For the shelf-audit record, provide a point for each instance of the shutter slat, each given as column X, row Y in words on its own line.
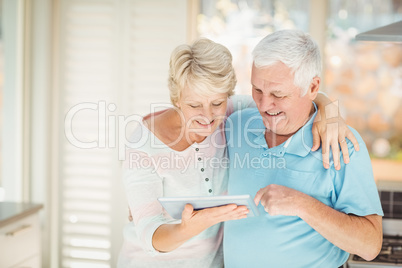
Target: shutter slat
column 110, row 50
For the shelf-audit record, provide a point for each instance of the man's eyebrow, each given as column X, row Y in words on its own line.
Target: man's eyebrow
column 254, row 86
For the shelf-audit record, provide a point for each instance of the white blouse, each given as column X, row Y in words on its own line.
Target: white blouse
column 152, row 170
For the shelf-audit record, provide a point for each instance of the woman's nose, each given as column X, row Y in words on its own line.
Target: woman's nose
column 208, row 113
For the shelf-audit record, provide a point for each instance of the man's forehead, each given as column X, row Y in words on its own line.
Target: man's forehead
column 274, row 73
column 274, row 84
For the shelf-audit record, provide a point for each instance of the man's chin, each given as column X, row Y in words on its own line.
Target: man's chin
column 273, row 128
column 276, row 131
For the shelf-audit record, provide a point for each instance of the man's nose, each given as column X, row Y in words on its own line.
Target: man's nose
column 266, row 102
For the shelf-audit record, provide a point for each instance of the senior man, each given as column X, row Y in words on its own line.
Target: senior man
column 311, row 216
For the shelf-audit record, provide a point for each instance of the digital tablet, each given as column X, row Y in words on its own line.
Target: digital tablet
column 175, row 205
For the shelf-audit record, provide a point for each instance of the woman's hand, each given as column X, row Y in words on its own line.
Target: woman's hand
column 170, row 236
column 329, row 128
column 194, row 222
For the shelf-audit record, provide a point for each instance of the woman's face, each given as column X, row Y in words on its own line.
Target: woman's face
column 202, row 114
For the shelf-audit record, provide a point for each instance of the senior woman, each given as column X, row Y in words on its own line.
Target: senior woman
column 181, row 151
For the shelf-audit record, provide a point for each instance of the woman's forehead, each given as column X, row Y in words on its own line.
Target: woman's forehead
column 189, row 94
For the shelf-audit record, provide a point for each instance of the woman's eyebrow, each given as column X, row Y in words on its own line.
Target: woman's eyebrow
column 191, row 101
column 219, row 99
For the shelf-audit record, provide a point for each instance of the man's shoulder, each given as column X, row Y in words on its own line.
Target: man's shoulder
column 353, row 154
column 243, row 116
column 358, row 138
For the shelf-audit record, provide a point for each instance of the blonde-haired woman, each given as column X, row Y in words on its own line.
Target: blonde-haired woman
column 181, row 151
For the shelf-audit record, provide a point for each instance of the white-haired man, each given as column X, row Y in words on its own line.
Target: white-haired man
column 314, row 217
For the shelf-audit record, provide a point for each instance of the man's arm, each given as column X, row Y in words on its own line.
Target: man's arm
column 361, row 235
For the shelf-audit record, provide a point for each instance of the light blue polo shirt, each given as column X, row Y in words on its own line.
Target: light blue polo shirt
column 287, row 241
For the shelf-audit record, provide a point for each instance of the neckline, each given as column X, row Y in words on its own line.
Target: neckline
column 194, row 145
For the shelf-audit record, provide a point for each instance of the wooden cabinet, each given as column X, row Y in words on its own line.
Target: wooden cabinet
column 20, row 235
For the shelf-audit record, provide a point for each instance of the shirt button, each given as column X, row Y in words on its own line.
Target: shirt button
column 202, row 169
column 199, row 158
column 197, row 149
column 206, row 179
column 210, row 190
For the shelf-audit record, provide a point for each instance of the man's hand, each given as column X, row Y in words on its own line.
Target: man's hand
column 280, row 200
column 361, row 235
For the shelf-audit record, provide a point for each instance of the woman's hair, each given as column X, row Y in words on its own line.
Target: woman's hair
column 296, row 49
column 205, row 67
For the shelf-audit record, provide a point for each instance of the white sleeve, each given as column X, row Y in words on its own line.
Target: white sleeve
column 143, row 186
column 239, row 102
column 323, row 93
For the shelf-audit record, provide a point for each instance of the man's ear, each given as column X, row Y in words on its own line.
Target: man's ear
column 314, row 87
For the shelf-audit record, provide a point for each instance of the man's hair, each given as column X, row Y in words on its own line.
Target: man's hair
column 296, row 49
column 205, row 67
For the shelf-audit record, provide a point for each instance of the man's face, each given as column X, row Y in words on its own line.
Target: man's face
column 278, row 100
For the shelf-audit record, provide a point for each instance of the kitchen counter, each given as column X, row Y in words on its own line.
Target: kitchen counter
column 20, row 235
column 11, row 212
column 387, row 170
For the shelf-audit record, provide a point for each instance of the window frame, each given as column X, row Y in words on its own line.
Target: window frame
column 15, row 130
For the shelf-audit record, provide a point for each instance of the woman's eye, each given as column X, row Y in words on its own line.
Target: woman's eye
column 257, row 90
column 217, row 104
column 194, row 106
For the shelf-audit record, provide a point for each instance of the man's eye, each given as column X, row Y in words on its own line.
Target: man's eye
column 258, row 90
column 217, row 104
column 278, row 97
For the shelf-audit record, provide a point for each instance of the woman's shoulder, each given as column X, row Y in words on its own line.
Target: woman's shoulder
column 146, row 135
column 139, row 135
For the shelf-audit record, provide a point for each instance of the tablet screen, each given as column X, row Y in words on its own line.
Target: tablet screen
column 175, row 205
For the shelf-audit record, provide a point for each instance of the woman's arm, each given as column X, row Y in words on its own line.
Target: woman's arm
column 239, row 102
column 329, row 129
column 143, row 187
column 170, row 236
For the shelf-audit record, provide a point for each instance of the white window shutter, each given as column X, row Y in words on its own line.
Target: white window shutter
column 155, row 28
column 114, row 57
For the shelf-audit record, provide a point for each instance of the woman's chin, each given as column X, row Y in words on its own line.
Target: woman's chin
column 204, row 132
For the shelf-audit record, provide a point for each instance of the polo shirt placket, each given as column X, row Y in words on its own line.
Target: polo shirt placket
column 204, row 172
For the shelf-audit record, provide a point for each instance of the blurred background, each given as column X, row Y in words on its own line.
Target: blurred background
column 75, row 73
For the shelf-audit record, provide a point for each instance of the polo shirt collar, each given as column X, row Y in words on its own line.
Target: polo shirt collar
column 260, row 139
column 302, row 140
